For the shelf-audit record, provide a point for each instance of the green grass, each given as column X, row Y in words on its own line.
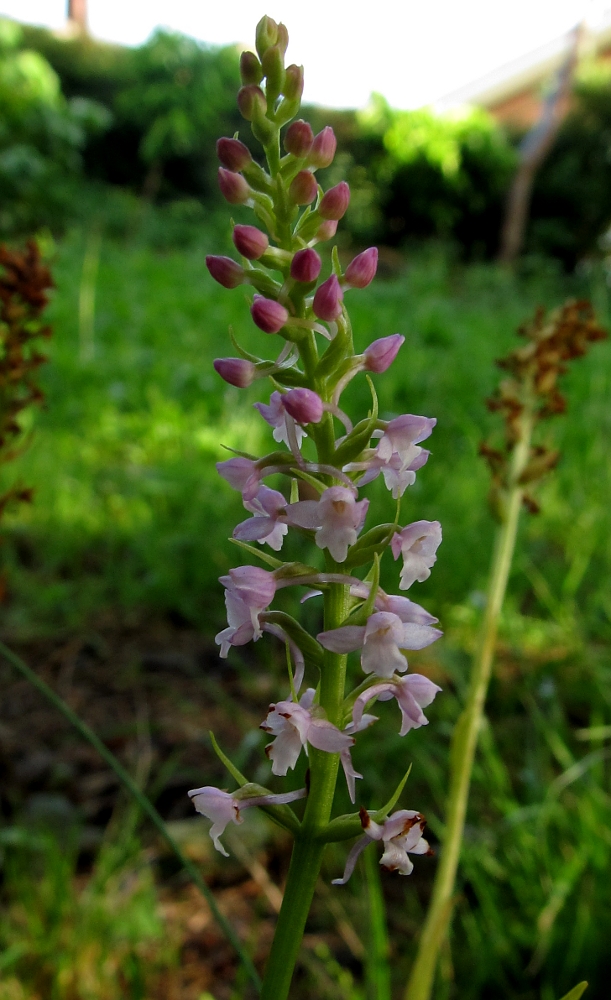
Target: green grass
column 130, row 515
column 129, row 511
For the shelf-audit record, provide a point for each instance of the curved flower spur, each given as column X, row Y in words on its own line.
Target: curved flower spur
column 301, row 301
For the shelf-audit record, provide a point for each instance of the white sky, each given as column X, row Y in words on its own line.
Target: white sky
column 411, row 51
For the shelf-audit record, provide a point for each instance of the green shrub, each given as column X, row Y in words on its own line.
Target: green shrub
column 41, row 137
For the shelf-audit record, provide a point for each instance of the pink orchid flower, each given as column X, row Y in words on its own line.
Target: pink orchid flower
column 337, row 519
column 381, row 639
column 401, row 834
column 294, row 726
column 417, row 543
column 413, row 693
column 223, row 808
column 397, row 455
column 269, row 523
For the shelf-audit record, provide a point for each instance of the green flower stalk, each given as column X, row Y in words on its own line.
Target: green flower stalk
column 528, row 395
column 297, row 301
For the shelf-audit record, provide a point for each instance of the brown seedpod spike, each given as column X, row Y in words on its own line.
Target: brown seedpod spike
column 530, row 393
column 24, row 285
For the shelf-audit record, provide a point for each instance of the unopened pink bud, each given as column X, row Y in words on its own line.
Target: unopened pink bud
column 283, row 37
column 233, row 154
column 305, row 266
column 250, row 241
column 250, row 68
column 255, row 586
column 334, row 203
column 380, row 355
column 268, row 315
column 304, row 405
column 266, row 34
column 326, row 230
column 299, row 138
column 233, row 187
column 303, row 188
column 328, row 299
column 226, row 271
column 249, row 97
column 236, row 371
column 323, row 148
column 293, row 83
column 362, row 270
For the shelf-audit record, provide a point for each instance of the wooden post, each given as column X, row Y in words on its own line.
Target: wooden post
column 533, row 149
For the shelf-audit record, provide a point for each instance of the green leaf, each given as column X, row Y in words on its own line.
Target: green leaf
column 307, row 478
column 335, row 264
column 243, row 354
column 342, row 828
column 290, row 570
column 356, row 441
column 281, row 815
column 360, row 436
column 262, row 282
column 372, row 543
column 360, row 615
column 349, row 825
column 311, row 649
column 381, row 814
column 292, row 378
column 263, row 556
column 241, row 454
column 334, row 355
column 235, row 774
column 576, row 992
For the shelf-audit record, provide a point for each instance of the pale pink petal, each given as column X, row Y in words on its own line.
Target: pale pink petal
column 421, row 688
column 418, row 636
column 325, row 736
column 350, row 773
column 255, row 529
column 352, row 859
column 396, row 860
column 218, row 806
column 304, row 514
column 345, row 639
column 284, row 751
column 406, row 610
column 421, row 847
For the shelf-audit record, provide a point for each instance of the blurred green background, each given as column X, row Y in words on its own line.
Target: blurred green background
column 107, row 157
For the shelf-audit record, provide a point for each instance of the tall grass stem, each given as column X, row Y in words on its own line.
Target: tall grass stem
column 464, row 740
column 86, row 302
column 377, row 966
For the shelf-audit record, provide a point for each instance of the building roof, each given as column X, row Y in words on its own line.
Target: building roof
column 526, row 75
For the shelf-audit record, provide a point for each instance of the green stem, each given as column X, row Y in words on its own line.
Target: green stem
column 464, row 741
column 308, row 848
column 145, row 804
column 377, row 966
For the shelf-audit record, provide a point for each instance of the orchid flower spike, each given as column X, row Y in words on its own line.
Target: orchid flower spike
column 401, row 834
column 223, row 808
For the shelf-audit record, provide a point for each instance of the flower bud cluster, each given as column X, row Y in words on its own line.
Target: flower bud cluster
column 300, row 301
